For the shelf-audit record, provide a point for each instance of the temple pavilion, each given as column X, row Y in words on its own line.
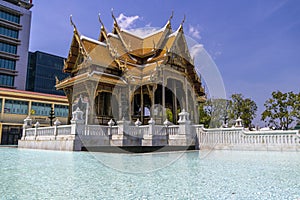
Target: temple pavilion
column 126, row 75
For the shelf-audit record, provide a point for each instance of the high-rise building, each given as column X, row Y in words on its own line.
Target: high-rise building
column 41, row 72
column 15, row 20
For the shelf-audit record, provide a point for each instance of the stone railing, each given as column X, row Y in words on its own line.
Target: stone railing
column 100, row 130
column 220, row 138
column 77, row 127
column 172, row 130
column 271, row 137
column 183, row 134
column 45, row 131
column 64, row 130
column 159, row 130
column 94, row 130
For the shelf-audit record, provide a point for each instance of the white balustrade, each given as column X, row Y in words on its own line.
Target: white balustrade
column 172, row 130
column 45, row 131
column 97, row 130
column 114, row 130
column 64, row 130
column 159, row 130
column 30, row 132
column 138, row 131
column 239, row 136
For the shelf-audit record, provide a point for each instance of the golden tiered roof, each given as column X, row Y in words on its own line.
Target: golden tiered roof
column 124, row 50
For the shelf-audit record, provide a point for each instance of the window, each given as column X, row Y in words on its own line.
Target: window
column 61, row 110
column 103, row 104
column 8, row 48
column 9, row 32
column 0, row 105
column 16, row 107
column 6, row 80
column 41, row 109
column 7, row 64
column 9, row 17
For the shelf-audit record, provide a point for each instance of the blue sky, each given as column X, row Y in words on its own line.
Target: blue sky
column 255, row 44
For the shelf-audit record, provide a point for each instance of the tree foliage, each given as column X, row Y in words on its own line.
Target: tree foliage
column 217, row 112
column 214, row 112
column 245, row 108
column 204, row 117
column 282, row 109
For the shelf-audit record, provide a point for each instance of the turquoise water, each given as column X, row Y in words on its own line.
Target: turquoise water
column 34, row 174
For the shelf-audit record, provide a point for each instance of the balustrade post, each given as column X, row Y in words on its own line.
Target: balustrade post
column 77, row 121
column 151, row 123
column 56, row 124
column 292, row 139
column 184, row 123
column 110, row 125
column 36, row 126
column 167, row 124
column 27, row 124
column 238, row 123
column 122, row 126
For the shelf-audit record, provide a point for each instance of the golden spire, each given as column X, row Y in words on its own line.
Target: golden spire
column 103, row 33
column 102, row 25
column 181, row 24
column 168, row 25
column 171, row 17
column 117, row 30
column 116, row 25
column 183, row 20
column 77, row 36
column 72, row 23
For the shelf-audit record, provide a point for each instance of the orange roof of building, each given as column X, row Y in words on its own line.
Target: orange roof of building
column 6, row 92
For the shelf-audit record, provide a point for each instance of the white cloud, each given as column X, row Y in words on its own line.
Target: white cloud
column 126, row 22
column 142, row 32
column 194, row 50
column 194, row 31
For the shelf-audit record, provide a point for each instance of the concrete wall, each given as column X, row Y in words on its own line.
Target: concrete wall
column 52, row 143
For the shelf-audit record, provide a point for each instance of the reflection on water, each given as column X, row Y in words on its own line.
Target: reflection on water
column 33, row 174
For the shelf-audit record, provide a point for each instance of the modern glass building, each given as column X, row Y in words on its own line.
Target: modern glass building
column 41, row 72
column 16, row 105
column 15, row 20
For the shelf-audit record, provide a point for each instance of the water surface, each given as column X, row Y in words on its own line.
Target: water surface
column 36, row 174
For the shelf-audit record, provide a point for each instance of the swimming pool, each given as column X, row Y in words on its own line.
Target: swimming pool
column 35, row 174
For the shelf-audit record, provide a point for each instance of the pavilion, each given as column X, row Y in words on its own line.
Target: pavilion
column 125, row 75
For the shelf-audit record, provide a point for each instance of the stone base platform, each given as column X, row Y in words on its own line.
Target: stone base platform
column 137, row 149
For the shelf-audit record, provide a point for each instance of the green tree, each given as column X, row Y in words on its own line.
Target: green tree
column 214, row 112
column 245, row 108
column 169, row 114
column 282, row 109
column 204, row 117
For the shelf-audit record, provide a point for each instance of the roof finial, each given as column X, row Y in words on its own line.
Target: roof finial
column 183, row 20
column 171, row 17
column 72, row 23
column 112, row 14
column 99, row 18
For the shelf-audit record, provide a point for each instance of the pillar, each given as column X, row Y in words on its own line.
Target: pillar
column 142, row 105
column 163, row 97
column 174, row 87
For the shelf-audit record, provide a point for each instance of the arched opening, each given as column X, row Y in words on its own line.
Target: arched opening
column 106, row 107
column 141, row 105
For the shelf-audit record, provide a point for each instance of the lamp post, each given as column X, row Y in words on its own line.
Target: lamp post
column 51, row 116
